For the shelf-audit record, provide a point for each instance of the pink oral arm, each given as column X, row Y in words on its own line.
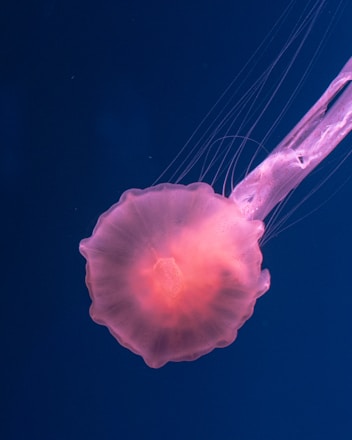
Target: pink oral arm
column 310, row 141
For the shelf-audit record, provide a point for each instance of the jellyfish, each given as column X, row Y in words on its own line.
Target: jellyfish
column 174, row 271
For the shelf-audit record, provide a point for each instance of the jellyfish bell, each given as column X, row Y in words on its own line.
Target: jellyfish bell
column 174, row 271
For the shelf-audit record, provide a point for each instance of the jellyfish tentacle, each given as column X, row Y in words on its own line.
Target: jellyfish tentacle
column 321, row 130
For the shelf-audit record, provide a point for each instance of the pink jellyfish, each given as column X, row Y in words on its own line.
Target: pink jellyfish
column 174, row 271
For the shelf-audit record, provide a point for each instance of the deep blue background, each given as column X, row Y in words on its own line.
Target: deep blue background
column 95, row 98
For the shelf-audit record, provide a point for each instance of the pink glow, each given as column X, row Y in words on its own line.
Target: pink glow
column 174, row 271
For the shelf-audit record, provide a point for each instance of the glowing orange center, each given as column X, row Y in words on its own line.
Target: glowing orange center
column 168, row 276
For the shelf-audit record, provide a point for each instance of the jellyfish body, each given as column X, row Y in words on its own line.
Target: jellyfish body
column 173, row 271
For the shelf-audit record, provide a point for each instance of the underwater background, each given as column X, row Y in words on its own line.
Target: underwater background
column 96, row 98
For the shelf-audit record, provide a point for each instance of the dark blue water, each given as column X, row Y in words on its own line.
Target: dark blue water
column 95, row 98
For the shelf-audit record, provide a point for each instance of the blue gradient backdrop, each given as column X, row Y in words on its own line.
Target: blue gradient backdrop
column 95, row 98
